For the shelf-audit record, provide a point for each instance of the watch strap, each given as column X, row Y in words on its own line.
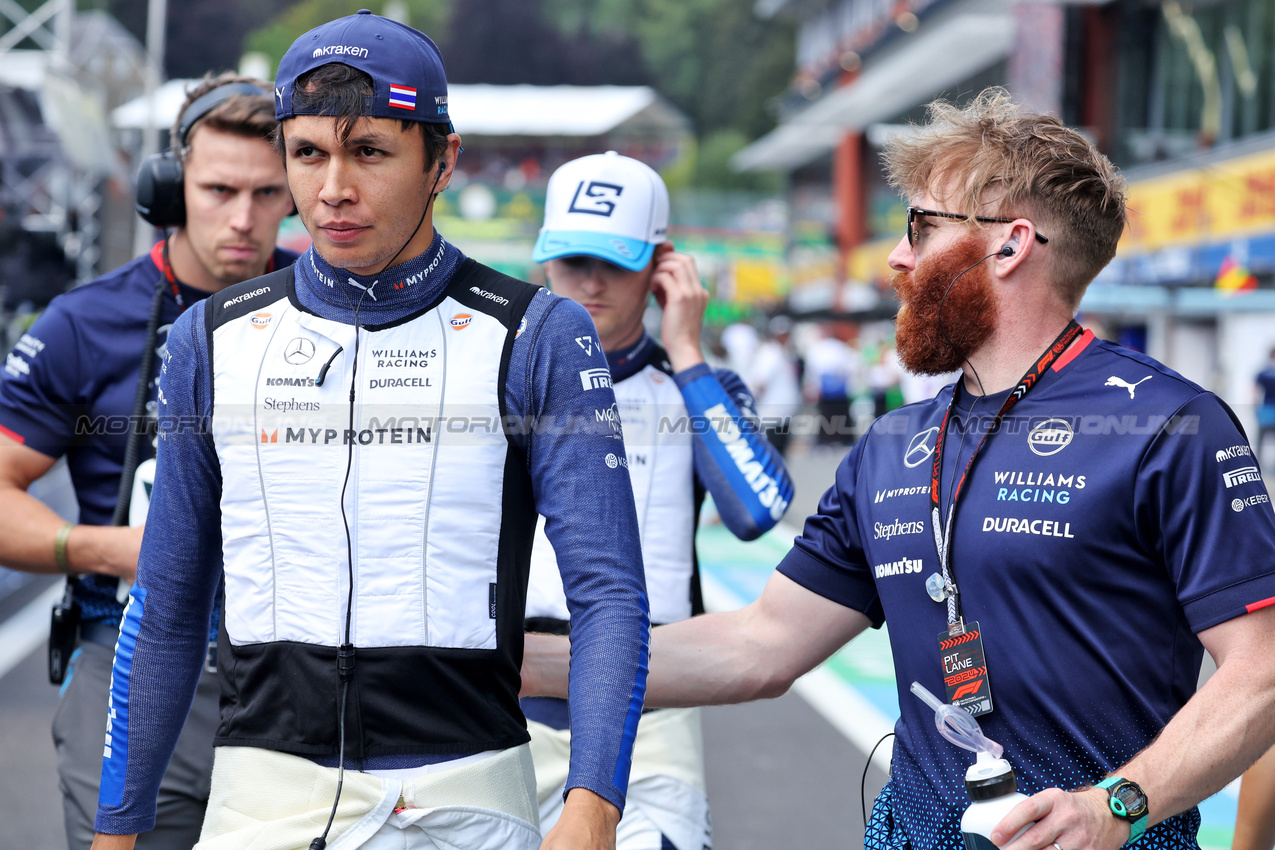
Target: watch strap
column 1137, row 825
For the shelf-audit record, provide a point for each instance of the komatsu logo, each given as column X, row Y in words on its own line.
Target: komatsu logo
column 339, row 50
column 766, row 487
column 903, row 566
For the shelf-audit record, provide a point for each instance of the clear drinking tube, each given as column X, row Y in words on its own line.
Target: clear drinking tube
column 958, row 725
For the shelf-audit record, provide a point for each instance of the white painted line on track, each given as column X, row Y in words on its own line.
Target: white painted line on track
column 25, row 631
column 848, row 712
column 840, row 704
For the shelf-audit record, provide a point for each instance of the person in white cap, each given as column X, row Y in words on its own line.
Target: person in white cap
column 687, row 430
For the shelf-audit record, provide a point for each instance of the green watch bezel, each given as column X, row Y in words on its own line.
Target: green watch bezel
column 1136, row 819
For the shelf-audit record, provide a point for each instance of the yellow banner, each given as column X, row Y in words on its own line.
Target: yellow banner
column 1232, row 198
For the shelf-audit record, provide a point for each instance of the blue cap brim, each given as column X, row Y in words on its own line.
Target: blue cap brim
column 631, row 254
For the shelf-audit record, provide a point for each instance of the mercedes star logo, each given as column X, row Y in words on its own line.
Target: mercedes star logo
column 299, row 351
column 920, row 449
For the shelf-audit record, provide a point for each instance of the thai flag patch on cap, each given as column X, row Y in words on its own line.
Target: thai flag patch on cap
column 403, row 97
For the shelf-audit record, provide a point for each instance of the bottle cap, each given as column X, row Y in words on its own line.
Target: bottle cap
column 989, row 778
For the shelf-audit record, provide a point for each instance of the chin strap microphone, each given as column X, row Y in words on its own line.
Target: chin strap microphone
column 345, row 653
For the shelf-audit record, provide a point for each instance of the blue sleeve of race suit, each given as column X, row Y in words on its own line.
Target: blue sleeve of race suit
column 164, row 634
column 581, row 484
column 740, row 468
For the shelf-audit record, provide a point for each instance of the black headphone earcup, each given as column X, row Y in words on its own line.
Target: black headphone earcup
column 160, row 198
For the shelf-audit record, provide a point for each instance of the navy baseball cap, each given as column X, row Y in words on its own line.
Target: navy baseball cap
column 408, row 78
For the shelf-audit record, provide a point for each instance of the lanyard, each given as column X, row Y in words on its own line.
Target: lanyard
column 943, row 531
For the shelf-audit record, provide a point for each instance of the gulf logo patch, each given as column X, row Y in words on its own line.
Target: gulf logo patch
column 260, row 321
column 461, row 321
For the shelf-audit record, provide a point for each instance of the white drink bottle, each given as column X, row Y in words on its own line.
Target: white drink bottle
column 990, row 780
column 993, row 790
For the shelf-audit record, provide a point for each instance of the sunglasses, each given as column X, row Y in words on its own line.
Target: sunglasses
column 916, row 212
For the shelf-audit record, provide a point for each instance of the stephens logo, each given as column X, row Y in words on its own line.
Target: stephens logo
column 460, row 321
column 261, row 320
column 1050, row 437
column 886, row 530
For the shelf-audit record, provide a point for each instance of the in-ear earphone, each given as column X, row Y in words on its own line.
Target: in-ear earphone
column 1009, row 249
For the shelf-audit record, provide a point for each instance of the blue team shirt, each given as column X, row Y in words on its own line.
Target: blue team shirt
column 1115, row 513
column 68, row 388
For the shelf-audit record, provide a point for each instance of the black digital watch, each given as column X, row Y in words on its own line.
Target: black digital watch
column 1127, row 802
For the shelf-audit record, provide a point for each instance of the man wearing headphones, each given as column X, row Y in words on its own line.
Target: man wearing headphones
column 364, row 441
column 71, row 386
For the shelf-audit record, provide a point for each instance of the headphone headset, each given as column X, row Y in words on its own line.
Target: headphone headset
column 161, row 198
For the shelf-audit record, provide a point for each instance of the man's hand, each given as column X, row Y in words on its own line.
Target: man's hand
column 1072, row 820
column 587, row 823
column 102, row 841
column 676, row 287
column 107, row 549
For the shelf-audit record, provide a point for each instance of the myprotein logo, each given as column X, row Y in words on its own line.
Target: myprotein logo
column 239, row 298
column 1243, row 475
column 1050, row 437
column 886, row 530
column 882, row 495
column 490, row 296
column 389, row 433
column 340, row 50
column 1232, row 452
column 903, row 566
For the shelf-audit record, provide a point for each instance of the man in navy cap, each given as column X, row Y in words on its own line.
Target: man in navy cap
column 365, row 441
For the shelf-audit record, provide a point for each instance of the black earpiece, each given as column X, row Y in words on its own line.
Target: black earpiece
column 160, row 198
column 1007, row 251
column 442, row 166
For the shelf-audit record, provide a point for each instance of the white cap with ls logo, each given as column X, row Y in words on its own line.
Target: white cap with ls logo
column 607, row 206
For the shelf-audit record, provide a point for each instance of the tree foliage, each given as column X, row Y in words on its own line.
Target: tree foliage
column 714, row 59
